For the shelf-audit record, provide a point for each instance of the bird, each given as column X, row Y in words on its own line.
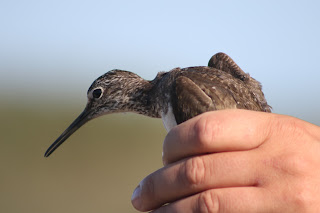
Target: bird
column 175, row 96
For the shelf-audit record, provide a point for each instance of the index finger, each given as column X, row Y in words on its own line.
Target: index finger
column 217, row 131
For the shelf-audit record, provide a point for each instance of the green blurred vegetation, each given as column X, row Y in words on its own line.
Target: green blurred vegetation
column 95, row 170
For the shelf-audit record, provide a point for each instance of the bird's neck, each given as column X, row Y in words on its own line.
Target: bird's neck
column 142, row 99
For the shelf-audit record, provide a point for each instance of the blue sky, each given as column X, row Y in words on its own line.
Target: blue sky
column 53, row 50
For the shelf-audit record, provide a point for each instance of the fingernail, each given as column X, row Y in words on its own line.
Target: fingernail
column 135, row 199
column 164, row 161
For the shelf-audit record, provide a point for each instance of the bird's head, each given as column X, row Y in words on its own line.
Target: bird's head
column 112, row 92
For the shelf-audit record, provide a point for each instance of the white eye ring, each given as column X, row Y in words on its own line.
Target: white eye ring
column 97, row 93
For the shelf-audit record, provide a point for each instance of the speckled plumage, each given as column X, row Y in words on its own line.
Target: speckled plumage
column 189, row 91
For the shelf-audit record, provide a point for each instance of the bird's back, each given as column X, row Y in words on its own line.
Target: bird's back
column 220, row 85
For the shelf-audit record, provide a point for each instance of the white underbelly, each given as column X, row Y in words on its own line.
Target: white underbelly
column 168, row 119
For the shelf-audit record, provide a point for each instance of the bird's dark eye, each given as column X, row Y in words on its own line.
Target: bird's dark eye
column 96, row 93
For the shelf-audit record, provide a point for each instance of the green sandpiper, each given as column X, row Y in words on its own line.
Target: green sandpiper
column 174, row 96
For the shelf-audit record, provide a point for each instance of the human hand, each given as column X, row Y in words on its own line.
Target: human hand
column 236, row 161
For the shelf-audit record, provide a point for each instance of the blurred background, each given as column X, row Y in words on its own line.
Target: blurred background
column 51, row 51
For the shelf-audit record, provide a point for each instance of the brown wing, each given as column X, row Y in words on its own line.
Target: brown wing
column 195, row 94
column 189, row 100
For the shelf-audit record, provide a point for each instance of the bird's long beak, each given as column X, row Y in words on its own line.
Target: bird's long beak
column 81, row 119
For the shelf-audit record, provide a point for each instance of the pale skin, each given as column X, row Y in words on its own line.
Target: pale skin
column 236, row 161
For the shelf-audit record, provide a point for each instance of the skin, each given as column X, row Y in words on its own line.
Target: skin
column 236, row 161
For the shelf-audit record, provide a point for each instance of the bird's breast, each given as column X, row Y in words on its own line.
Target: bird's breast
column 168, row 119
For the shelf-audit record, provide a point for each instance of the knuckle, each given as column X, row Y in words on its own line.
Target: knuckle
column 204, row 131
column 295, row 127
column 303, row 198
column 193, row 171
column 208, row 202
column 297, row 163
column 289, row 127
column 291, row 164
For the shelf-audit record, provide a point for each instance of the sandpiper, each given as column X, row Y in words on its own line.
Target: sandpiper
column 174, row 96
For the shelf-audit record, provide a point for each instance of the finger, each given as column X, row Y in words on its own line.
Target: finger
column 195, row 175
column 217, row 131
column 239, row 199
